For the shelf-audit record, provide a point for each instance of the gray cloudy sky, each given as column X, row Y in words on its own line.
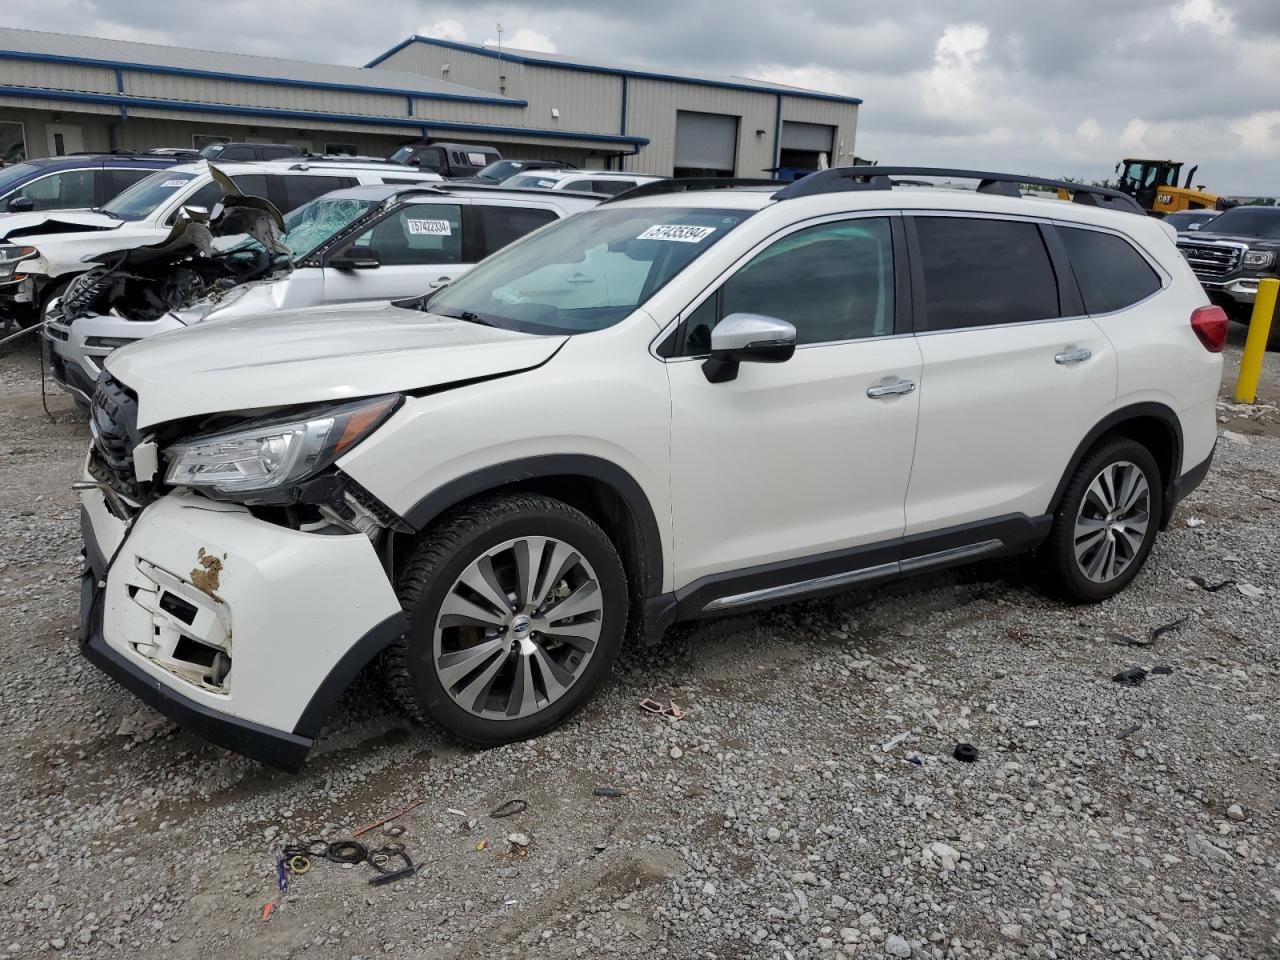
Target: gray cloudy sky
column 1062, row 89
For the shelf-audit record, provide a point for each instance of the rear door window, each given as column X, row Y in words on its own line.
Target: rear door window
column 984, row 272
column 1111, row 274
column 421, row 233
column 499, row 225
column 118, row 180
column 237, row 153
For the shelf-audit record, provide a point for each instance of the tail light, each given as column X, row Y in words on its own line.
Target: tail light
column 1210, row 325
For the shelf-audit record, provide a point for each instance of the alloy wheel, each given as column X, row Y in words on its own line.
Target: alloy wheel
column 517, row 628
column 1112, row 522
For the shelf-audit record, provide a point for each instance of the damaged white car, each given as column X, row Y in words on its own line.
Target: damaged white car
column 673, row 405
column 361, row 243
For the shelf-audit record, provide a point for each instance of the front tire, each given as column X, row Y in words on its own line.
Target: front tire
column 1105, row 524
column 517, row 608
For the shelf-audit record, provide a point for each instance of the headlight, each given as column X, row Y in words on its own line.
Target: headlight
column 1259, row 258
column 274, row 453
column 11, row 256
column 111, row 343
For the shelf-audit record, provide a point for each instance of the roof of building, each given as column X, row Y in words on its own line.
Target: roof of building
column 76, row 50
column 592, row 65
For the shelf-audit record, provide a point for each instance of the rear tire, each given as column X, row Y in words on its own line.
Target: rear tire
column 1105, row 524
column 492, row 674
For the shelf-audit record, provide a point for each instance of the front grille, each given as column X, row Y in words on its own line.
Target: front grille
column 1212, row 259
column 113, row 421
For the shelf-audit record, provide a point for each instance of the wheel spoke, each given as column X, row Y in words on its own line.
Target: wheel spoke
column 1089, row 542
column 453, row 668
column 1132, row 538
column 583, row 635
column 458, row 611
column 524, row 695
column 563, row 559
column 1135, row 494
column 1099, row 560
column 528, row 553
column 585, row 599
column 555, row 678
column 478, row 688
column 481, row 578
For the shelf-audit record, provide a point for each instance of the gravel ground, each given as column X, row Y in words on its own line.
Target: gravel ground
column 807, row 806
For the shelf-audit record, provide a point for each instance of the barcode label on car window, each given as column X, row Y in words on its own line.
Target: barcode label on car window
column 430, row 228
column 173, row 183
column 680, row 233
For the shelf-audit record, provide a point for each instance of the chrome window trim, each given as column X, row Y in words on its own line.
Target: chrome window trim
column 711, row 288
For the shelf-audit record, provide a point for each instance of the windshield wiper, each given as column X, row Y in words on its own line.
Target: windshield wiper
column 471, row 317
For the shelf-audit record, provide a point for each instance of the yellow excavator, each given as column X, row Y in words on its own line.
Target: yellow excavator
column 1154, row 184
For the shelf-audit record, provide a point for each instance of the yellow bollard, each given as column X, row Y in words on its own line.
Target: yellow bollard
column 1255, row 345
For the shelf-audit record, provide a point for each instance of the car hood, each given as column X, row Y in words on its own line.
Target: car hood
column 315, row 355
column 53, row 222
column 1198, row 236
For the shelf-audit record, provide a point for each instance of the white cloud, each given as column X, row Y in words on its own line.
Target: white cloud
column 1197, row 14
column 445, row 30
column 523, row 38
column 1259, row 134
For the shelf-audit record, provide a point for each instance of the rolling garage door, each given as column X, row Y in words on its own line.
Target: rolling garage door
column 706, row 144
column 805, row 147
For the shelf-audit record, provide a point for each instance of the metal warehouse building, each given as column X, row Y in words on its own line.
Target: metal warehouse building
column 62, row 93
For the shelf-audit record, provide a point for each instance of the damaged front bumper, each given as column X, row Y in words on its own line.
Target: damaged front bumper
column 239, row 630
column 77, row 349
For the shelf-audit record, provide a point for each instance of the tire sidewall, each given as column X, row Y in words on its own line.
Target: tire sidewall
column 1120, row 450
column 595, row 547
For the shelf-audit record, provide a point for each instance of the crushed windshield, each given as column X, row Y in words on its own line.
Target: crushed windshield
column 1260, row 222
column 143, row 197
column 587, row 272
column 314, row 223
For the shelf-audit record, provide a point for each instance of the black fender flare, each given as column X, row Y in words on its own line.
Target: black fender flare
column 1148, row 409
column 545, row 467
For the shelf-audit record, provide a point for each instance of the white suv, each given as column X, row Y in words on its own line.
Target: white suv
column 609, row 182
column 670, row 406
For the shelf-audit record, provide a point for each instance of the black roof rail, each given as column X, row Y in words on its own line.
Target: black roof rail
column 838, row 179
column 657, row 188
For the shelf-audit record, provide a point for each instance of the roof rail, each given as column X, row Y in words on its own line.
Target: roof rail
column 657, row 188
column 451, row 185
column 1005, row 184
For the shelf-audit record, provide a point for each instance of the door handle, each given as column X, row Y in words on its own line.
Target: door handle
column 442, row 282
column 891, row 389
column 1074, row 355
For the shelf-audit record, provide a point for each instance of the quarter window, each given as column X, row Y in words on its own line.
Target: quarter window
column 831, row 282
column 301, row 188
column 1111, row 274
column 981, row 272
column 503, row 225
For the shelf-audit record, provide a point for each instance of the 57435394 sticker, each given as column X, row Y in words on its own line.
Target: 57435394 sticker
column 173, row 183
column 678, row 232
column 429, row 228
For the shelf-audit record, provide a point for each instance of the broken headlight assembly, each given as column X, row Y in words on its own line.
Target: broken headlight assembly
column 258, row 461
column 11, row 256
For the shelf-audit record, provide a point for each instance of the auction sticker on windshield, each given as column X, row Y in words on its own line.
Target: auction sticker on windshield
column 174, row 183
column 429, row 228
column 680, row 233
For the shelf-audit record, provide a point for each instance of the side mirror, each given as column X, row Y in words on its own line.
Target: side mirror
column 355, row 258
column 21, row 205
column 747, row 338
column 415, row 161
column 196, row 214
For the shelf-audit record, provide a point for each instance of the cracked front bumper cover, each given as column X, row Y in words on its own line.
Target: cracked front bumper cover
column 308, row 610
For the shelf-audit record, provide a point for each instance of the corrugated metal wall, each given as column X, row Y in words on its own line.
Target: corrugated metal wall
column 651, row 113
column 842, row 116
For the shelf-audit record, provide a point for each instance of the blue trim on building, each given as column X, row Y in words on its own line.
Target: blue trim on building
column 245, row 78
column 777, row 136
column 609, row 71
column 154, row 103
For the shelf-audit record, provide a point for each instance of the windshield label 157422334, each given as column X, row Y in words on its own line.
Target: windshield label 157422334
column 678, row 232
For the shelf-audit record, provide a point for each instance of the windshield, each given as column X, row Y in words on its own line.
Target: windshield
column 1260, row 222
column 531, row 181
column 587, row 272
column 1189, row 219
column 18, row 172
column 314, row 223
column 501, row 170
column 138, row 202
column 212, row 150
column 402, row 155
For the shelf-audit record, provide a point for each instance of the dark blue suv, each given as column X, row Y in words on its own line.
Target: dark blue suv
column 78, row 181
